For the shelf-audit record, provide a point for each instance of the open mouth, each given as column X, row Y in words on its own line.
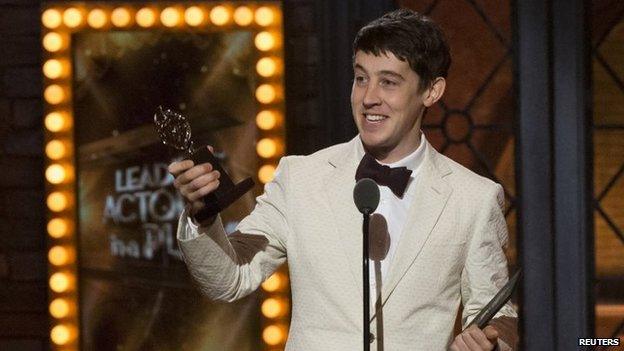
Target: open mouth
column 373, row 118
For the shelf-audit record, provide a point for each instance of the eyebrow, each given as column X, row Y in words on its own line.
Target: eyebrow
column 382, row 72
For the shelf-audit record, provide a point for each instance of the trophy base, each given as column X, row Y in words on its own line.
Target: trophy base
column 226, row 193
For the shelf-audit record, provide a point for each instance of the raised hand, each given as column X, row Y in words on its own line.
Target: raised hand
column 194, row 181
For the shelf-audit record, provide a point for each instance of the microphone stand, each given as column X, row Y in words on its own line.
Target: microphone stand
column 366, row 277
column 366, row 198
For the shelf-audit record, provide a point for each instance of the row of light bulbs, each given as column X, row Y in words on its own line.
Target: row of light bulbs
column 275, row 308
column 61, row 255
column 268, row 120
column 60, row 176
column 171, row 17
column 60, row 202
column 265, row 41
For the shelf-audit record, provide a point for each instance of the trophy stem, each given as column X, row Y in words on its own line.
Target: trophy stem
column 190, row 150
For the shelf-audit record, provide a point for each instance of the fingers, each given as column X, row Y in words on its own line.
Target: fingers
column 190, row 174
column 459, row 344
column 194, row 181
column 473, row 338
column 176, row 168
column 201, row 186
column 506, row 328
column 491, row 333
column 476, row 342
column 480, row 338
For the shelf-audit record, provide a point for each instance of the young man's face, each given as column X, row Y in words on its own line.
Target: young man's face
column 387, row 105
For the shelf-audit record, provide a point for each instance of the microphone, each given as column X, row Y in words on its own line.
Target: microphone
column 366, row 198
column 366, row 195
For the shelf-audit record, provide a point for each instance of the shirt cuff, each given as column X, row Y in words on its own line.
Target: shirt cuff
column 191, row 230
column 188, row 229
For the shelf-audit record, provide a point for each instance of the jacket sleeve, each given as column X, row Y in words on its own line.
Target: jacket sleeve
column 485, row 271
column 229, row 267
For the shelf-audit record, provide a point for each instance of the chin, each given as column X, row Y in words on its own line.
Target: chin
column 373, row 141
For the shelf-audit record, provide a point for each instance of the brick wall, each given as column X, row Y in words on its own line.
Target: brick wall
column 23, row 267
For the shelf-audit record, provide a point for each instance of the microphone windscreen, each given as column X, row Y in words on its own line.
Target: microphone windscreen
column 366, row 195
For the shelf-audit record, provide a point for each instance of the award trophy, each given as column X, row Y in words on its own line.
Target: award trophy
column 175, row 131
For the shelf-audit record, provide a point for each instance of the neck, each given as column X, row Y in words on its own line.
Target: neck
column 396, row 153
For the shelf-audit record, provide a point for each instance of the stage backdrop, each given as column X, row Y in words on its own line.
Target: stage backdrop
column 135, row 292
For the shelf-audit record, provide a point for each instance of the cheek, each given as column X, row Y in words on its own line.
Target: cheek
column 356, row 95
column 405, row 113
column 396, row 104
column 406, row 106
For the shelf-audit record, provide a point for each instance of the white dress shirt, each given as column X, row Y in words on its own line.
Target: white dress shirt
column 394, row 209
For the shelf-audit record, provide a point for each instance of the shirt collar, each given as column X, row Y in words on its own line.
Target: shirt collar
column 411, row 161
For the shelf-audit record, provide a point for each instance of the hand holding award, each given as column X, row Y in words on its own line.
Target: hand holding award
column 192, row 180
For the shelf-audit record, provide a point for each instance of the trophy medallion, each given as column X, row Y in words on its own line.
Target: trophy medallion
column 174, row 131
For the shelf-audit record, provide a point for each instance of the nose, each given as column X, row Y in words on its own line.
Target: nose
column 371, row 96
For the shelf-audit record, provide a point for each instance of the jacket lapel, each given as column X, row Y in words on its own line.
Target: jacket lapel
column 430, row 198
column 346, row 218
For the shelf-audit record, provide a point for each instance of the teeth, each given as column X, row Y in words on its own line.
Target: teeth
column 375, row 118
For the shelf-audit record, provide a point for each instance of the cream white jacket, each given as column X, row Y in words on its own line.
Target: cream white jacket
column 450, row 252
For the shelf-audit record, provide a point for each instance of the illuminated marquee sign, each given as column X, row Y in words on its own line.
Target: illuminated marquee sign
column 111, row 206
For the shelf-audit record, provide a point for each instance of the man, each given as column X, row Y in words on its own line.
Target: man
column 444, row 225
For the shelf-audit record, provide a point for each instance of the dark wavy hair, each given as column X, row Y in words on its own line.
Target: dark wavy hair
column 411, row 37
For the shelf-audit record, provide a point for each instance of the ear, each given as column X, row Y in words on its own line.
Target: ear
column 435, row 92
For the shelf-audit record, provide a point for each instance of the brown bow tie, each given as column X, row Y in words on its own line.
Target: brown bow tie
column 395, row 178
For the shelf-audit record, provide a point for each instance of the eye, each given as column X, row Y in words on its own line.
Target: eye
column 387, row 83
column 360, row 79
